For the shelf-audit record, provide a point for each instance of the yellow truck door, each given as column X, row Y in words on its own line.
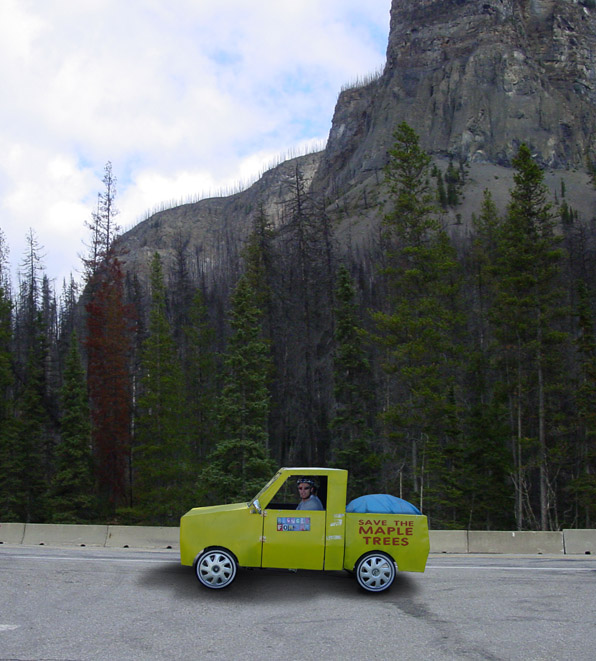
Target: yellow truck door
column 303, row 539
column 293, row 539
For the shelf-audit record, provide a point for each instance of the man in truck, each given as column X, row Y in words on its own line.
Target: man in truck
column 308, row 499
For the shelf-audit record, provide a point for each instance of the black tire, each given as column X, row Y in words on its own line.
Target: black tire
column 216, row 568
column 375, row 571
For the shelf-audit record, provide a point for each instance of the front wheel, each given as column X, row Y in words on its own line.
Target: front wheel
column 375, row 572
column 216, row 568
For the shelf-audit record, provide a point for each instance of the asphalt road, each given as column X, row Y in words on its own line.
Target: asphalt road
column 67, row 604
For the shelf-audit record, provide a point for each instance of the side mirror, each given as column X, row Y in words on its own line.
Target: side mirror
column 257, row 507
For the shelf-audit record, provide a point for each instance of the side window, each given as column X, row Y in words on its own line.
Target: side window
column 287, row 497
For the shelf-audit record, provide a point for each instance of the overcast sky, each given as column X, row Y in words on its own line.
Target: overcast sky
column 184, row 97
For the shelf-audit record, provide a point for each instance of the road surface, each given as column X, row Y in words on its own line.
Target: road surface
column 88, row 604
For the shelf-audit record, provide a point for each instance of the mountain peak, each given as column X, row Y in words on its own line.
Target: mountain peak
column 477, row 78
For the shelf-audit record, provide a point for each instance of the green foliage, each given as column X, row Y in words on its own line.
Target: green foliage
column 200, row 371
column 454, row 183
column 568, row 215
column 72, row 493
column 31, row 441
column 162, row 461
column 419, row 331
column 235, row 471
column 6, row 373
column 9, row 464
column 486, row 455
column 351, row 432
column 441, row 192
column 528, row 304
column 240, row 462
column 583, row 484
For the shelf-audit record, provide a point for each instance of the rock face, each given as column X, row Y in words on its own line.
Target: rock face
column 211, row 232
column 474, row 79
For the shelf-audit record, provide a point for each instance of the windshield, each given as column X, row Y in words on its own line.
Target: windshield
column 271, row 481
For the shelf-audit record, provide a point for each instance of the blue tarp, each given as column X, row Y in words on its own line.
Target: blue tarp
column 381, row 503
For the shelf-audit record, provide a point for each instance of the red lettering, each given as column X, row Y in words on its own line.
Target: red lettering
column 395, row 541
column 364, row 531
column 409, row 531
column 366, row 540
column 386, row 541
column 390, row 530
column 377, row 541
column 404, row 541
column 380, row 531
column 360, row 522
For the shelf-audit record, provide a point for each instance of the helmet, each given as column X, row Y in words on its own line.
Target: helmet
column 306, row 480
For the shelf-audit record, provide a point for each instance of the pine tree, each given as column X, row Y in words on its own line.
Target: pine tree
column 108, row 345
column 307, row 275
column 181, row 291
column 31, row 440
column 418, row 333
column 33, row 436
column 102, row 226
column 29, row 300
column 453, row 184
column 240, row 463
column 527, row 306
column 486, row 455
column 109, row 348
column 9, row 468
column 72, row 494
column 68, row 313
column 441, row 192
column 351, row 429
column 583, row 484
column 162, row 462
column 200, row 371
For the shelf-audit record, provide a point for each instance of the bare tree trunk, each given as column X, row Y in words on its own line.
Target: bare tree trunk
column 542, row 437
column 518, row 460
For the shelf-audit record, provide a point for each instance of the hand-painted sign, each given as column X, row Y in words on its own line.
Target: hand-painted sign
column 381, row 532
column 293, row 523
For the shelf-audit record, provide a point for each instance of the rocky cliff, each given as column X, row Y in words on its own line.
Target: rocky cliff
column 474, row 78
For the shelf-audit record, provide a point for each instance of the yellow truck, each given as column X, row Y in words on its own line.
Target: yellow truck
column 270, row 532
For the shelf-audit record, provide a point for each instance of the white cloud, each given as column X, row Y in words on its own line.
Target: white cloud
column 183, row 97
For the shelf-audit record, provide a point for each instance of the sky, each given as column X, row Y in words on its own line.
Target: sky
column 185, row 98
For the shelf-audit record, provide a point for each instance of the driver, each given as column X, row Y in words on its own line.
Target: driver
column 308, row 499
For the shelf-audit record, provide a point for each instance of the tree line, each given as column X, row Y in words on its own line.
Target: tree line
column 458, row 375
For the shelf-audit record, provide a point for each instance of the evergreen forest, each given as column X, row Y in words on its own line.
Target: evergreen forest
column 460, row 376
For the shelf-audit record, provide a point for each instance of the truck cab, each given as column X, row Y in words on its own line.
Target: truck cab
column 269, row 532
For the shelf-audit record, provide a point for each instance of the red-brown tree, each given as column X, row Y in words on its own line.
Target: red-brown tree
column 109, row 323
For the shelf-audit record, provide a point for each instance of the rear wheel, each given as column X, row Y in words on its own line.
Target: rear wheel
column 216, row 568
column 375, row 572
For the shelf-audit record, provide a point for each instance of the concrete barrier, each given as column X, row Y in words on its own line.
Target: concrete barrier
column 12, row 533
column 39, row 534
column 146, row 537
column 448, row 541
column 524, row 542
column 441, row 541
column 580, row 541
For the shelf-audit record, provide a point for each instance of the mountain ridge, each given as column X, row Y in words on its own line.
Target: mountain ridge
column 474, row 79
